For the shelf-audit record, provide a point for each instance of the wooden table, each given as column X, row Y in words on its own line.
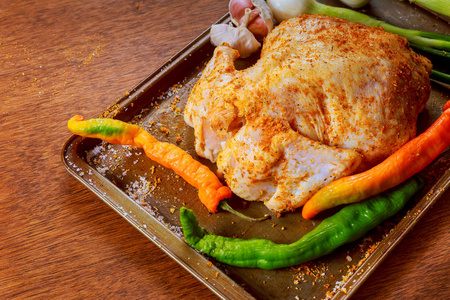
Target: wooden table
column 59, row 240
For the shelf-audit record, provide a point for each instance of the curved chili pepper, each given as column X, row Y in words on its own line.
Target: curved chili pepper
column 398, row 167
column 210, row 189
column 347, row 225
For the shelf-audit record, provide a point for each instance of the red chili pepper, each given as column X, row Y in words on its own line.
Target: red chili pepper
column 401, row 165
column 210, row 189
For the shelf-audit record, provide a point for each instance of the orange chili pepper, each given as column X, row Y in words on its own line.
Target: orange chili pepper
column 398, row 167
column 210, row 189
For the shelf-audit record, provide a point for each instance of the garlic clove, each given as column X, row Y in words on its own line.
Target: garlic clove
column 239, row 38
column 258, row 26
column 237, row 9
column 260, row 21
column 265, row 13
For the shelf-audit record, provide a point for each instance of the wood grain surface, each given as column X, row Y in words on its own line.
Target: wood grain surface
column 58, row 239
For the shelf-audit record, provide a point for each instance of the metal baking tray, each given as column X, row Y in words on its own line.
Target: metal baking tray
column 149, row 196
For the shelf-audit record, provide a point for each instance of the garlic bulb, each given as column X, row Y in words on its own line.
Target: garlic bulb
column 239, row 38
column 260, row 22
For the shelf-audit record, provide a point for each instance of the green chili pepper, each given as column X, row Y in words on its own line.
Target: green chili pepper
column 347, row 225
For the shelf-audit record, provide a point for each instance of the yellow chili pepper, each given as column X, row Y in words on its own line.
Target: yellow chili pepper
column 401, row 165
column 210, row 189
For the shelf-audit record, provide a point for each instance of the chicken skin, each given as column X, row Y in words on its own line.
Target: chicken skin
column 327, row 98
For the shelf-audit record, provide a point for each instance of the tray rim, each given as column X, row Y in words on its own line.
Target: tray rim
column 222, row 281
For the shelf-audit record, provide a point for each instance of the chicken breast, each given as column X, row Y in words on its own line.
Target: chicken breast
column 327, row 98
column 268, row 161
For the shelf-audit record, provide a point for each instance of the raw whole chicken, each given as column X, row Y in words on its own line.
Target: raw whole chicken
column 327, row 98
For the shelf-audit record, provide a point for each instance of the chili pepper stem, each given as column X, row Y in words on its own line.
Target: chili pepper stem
column 223, row 204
